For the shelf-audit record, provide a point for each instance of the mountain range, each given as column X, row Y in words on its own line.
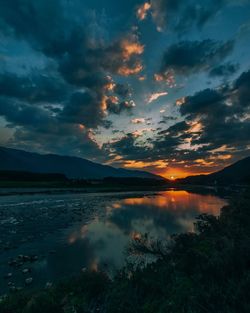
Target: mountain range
column 79, row 168
column 71, row 167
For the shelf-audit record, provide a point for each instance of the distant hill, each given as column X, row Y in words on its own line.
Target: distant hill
column 237, row 173
column 71, row 167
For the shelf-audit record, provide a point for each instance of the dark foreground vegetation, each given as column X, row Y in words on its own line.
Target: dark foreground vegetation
column 206, row 271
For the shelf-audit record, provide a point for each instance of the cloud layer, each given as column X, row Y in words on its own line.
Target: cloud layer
column 77, row 78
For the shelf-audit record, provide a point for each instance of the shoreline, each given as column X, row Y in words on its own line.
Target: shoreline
column 21, row 191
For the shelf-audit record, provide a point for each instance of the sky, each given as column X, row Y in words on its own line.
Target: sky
column 161, row 85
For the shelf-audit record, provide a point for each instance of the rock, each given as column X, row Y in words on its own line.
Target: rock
column 26, row 270
column 33, row 258
column 12, row 263
column 8, row 275
column 28, row 281
column 13, row 289
column 48, row 285
column 19, row 288
column 3, row 298
column 19, row 264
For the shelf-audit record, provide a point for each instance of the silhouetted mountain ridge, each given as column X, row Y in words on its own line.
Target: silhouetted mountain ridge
column 71, row 167
column 236, row 173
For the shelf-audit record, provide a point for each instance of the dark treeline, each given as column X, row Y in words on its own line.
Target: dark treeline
column 203, row 272
column 29, row 176
column 13, row 177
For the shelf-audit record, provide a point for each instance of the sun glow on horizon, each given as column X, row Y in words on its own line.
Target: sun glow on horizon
column 176, row 173
column 166, row 170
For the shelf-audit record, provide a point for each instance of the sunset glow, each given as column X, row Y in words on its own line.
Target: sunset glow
column 125, row 156
column 148, row 85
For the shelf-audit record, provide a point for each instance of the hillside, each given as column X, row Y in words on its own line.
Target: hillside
column 237, row 173
column 71, row 167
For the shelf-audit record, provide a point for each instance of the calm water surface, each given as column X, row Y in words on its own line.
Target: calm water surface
column 70, row 232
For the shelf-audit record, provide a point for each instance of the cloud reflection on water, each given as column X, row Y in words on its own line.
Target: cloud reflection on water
column 159, row 215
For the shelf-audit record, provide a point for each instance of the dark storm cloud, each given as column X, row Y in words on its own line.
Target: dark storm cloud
column 61, row 138
column 180, row 15
column 84, row 108
column 215, row 119
column 242, row 90
column 167, row 141
column 79, row 80
column 128, row 148
column 87, row 64
column 61, row 111
column 36, row 21
column 123, row 90
column 165, row 119
column 121, row 100
column 38, row 130
column 202, row 102
column 229, row 100
column 117, row 108
column 161, row 147
column 223, row 113
column 49, row 28
column 178, row 128
column 224, row 70
column 33, row 88
column 187, row 57
column 19, row 113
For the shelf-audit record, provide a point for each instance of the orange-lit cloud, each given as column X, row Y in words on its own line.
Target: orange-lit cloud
column 180, row 101
column 127, row 71
column 142, row 11
column 204, row 162
column 125, row 58
column 130, row 48
column 114, row 158
column 110, row 86
column 221, row 157
column 155, row 96
column 143, row 164
column 138, row 120
column 81, row 126
column 142, row 78
column 196, row 127
column 167, row 77
column 140, row 132
column 114, row 99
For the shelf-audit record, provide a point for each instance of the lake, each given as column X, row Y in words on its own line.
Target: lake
column 50, row 237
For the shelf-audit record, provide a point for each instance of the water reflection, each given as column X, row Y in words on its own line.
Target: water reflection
column 72, row 232
column 159, row 215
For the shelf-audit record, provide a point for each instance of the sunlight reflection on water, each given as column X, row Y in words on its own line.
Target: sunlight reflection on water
column 160, row 216
column 92, row 231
